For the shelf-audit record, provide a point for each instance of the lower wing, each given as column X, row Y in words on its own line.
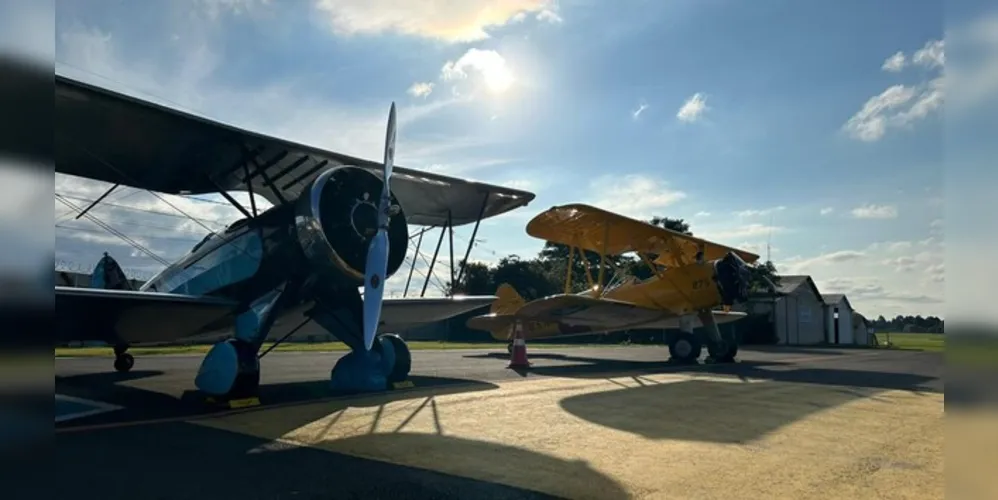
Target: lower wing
column 110, row 315
column 574, row 315
column 142, row 317
column 400, row 314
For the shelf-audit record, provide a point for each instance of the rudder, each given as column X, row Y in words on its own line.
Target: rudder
column 508, row 301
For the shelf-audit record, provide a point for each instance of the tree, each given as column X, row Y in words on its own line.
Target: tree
column 760, row 272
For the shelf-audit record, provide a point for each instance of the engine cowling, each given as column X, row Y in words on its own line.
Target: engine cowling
column 336, row 218
column 732, row 276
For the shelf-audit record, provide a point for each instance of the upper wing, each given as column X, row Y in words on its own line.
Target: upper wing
column 111, row 137
column 587, row 227
column 109, row 315
column 399, row 314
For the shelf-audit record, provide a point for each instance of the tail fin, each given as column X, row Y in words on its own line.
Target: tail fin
column 509, row 301
column 499, row 327
column 108, row 274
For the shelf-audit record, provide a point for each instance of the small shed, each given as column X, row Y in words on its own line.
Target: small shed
column 838, row 319
column 795, row 309
column 861, row 329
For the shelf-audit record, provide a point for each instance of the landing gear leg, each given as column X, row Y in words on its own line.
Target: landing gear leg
column 720, row 348
column 123, row 362
column 230, row 372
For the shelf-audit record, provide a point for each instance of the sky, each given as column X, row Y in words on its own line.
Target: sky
column 812, row 132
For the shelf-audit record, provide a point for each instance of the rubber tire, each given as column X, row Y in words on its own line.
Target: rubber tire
column 725, row 356
column 403, row 358
column 696, row 347
column 124, row 363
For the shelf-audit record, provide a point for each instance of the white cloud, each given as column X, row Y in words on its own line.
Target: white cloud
column 932, row 55
column 521, row 184
column 894, row 63
column 448, row 20
column 760, row 212
column 693, row 108
column 488, row 64
column 900, row 106
column 875, row 212
column 421, row 89
column 897, row 107
column 889, row 278
column 214, row 8
column 702, row 214
column 637, row 112
column 550, row 16
column 827, row 210
column 740, row 231
column 634, row 195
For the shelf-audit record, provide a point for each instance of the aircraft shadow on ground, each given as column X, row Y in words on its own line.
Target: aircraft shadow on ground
column 326, row 469
column 731, row 412
column 597, row 368
column 142, row 403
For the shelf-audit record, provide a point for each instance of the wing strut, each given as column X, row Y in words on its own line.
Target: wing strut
column 412, row 268
column 450, row 229
column 446, row 230
column 249, row 187
column 239, row 206
column 433, row 261
column 95, row 202
column 474, row 233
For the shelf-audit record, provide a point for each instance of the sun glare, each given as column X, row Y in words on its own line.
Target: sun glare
column 498, row 78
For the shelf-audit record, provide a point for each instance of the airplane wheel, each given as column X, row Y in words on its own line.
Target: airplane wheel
column 685, row 347
column 403, row 358
column 124, row 363
column 724, row 352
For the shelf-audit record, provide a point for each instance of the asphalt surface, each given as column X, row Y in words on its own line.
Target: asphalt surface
column 142, row 447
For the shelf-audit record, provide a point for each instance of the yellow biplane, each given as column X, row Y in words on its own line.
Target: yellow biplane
column 695, row 283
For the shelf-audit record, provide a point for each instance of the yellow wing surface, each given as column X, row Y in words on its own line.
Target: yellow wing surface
column 563, row 315
column 607, row 233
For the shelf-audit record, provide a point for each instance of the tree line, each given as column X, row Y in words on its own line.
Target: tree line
column 914, row 324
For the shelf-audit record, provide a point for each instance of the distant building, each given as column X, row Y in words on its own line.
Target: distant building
column 838, row 319
column 794, row 310
column 799, row 314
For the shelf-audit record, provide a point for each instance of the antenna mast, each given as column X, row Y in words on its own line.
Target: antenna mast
column 769, row 238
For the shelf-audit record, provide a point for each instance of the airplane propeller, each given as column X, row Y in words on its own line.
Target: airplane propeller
column 377, row 251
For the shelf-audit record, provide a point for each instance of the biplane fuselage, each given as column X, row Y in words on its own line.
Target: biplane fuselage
column 676, row 292
column 691, row 277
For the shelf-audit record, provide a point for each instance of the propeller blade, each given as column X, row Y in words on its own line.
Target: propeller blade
column 389, row 148
column 377, row 251
column 374, row 286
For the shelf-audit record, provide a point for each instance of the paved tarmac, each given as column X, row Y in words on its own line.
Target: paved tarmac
column 145, row 445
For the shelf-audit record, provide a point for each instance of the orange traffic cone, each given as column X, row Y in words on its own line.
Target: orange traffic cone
column 518, row 359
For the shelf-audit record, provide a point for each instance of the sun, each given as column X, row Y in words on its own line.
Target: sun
column 498, row 78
